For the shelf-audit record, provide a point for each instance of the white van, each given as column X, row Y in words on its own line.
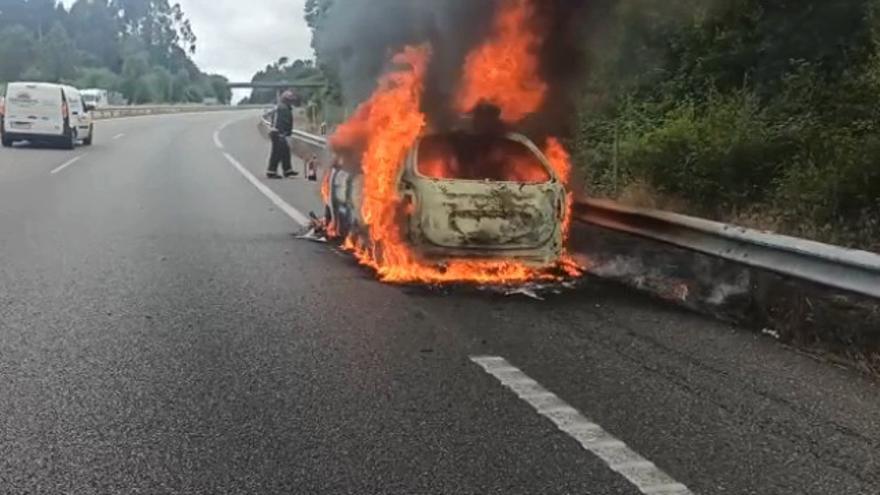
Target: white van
column 45, row 113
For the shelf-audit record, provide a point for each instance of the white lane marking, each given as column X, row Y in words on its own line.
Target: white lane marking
column 217, row 142
column 292, row 212
column 642, row 473
column 67, row 164
column 119, row 136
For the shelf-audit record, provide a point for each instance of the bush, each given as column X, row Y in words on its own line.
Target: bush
column 717, row 156
column 730, row 113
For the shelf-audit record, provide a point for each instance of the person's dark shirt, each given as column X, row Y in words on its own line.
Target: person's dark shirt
column 284, row 119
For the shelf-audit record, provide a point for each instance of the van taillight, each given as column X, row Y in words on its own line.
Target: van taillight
column 2, row 107
column 65, row 110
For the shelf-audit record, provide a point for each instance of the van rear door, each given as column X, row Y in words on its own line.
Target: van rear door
column 34, row 109
column 78, row 115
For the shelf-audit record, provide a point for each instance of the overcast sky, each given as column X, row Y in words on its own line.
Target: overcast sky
column 236, row 38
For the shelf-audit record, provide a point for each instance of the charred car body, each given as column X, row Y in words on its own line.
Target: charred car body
column 486, row 195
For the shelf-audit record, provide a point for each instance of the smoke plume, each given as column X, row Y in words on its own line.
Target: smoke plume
column 358, row 38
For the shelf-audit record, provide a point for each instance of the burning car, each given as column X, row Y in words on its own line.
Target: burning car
column 464, row 195
column 420, row 198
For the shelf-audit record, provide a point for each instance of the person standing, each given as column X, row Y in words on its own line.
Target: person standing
column 282, row 128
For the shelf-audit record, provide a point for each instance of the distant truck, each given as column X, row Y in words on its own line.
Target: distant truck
column 98, row 98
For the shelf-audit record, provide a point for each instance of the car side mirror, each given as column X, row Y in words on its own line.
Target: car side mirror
column 89, row 107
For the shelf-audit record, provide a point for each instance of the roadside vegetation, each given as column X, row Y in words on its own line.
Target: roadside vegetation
column 759, row 112
column 139, row 48
column 286, row 70
column 312, row 91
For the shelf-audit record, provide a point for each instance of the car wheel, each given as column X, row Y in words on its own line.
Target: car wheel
column 88, row 141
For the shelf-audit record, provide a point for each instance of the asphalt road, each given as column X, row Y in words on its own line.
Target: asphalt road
column 162, row 331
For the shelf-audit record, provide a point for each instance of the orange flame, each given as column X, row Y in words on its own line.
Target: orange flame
column 560, row 161
column 325, row 188
column 325, row 195
column 504, row 71
column 389, row 123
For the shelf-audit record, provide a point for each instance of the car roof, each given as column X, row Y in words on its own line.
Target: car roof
column 34, row 83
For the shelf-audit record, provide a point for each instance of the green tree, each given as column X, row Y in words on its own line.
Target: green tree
column 17, row 49
column 161, row 83
column 37, row 16
column 298, row 71
column 56, row 56
column 33, row 73
column 100, row 77
column 179, row 84
column 316, row 13
column 732, row 108
column 134, row 68
column 160, row 25
column 193, row 94
column 220, row 89
column 140, row 47
column 96, row 31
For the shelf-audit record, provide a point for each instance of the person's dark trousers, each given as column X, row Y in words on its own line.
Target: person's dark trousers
column 280, row 154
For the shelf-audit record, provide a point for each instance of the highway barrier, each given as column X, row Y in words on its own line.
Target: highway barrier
column 840, row 268
column 817, row 296
column 140, row 110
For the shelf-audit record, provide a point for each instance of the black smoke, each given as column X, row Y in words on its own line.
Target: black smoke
column 358, row 38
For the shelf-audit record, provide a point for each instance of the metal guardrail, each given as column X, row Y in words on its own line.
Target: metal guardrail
column 308, row 138
column 833, row 266
column 311, row 139
column 139, row 110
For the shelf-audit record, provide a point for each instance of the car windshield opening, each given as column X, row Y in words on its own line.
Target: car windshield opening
column 480, row 157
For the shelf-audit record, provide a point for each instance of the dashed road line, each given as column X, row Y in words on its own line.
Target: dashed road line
column 642, row 473
column 119, row 136
column 66, row 164
column 282, row 205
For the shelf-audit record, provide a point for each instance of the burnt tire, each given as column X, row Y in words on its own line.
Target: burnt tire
column 88, row 141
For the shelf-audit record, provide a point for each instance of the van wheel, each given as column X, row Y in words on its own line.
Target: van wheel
column 88, row 141
column 70, row 142
column 7, row 143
